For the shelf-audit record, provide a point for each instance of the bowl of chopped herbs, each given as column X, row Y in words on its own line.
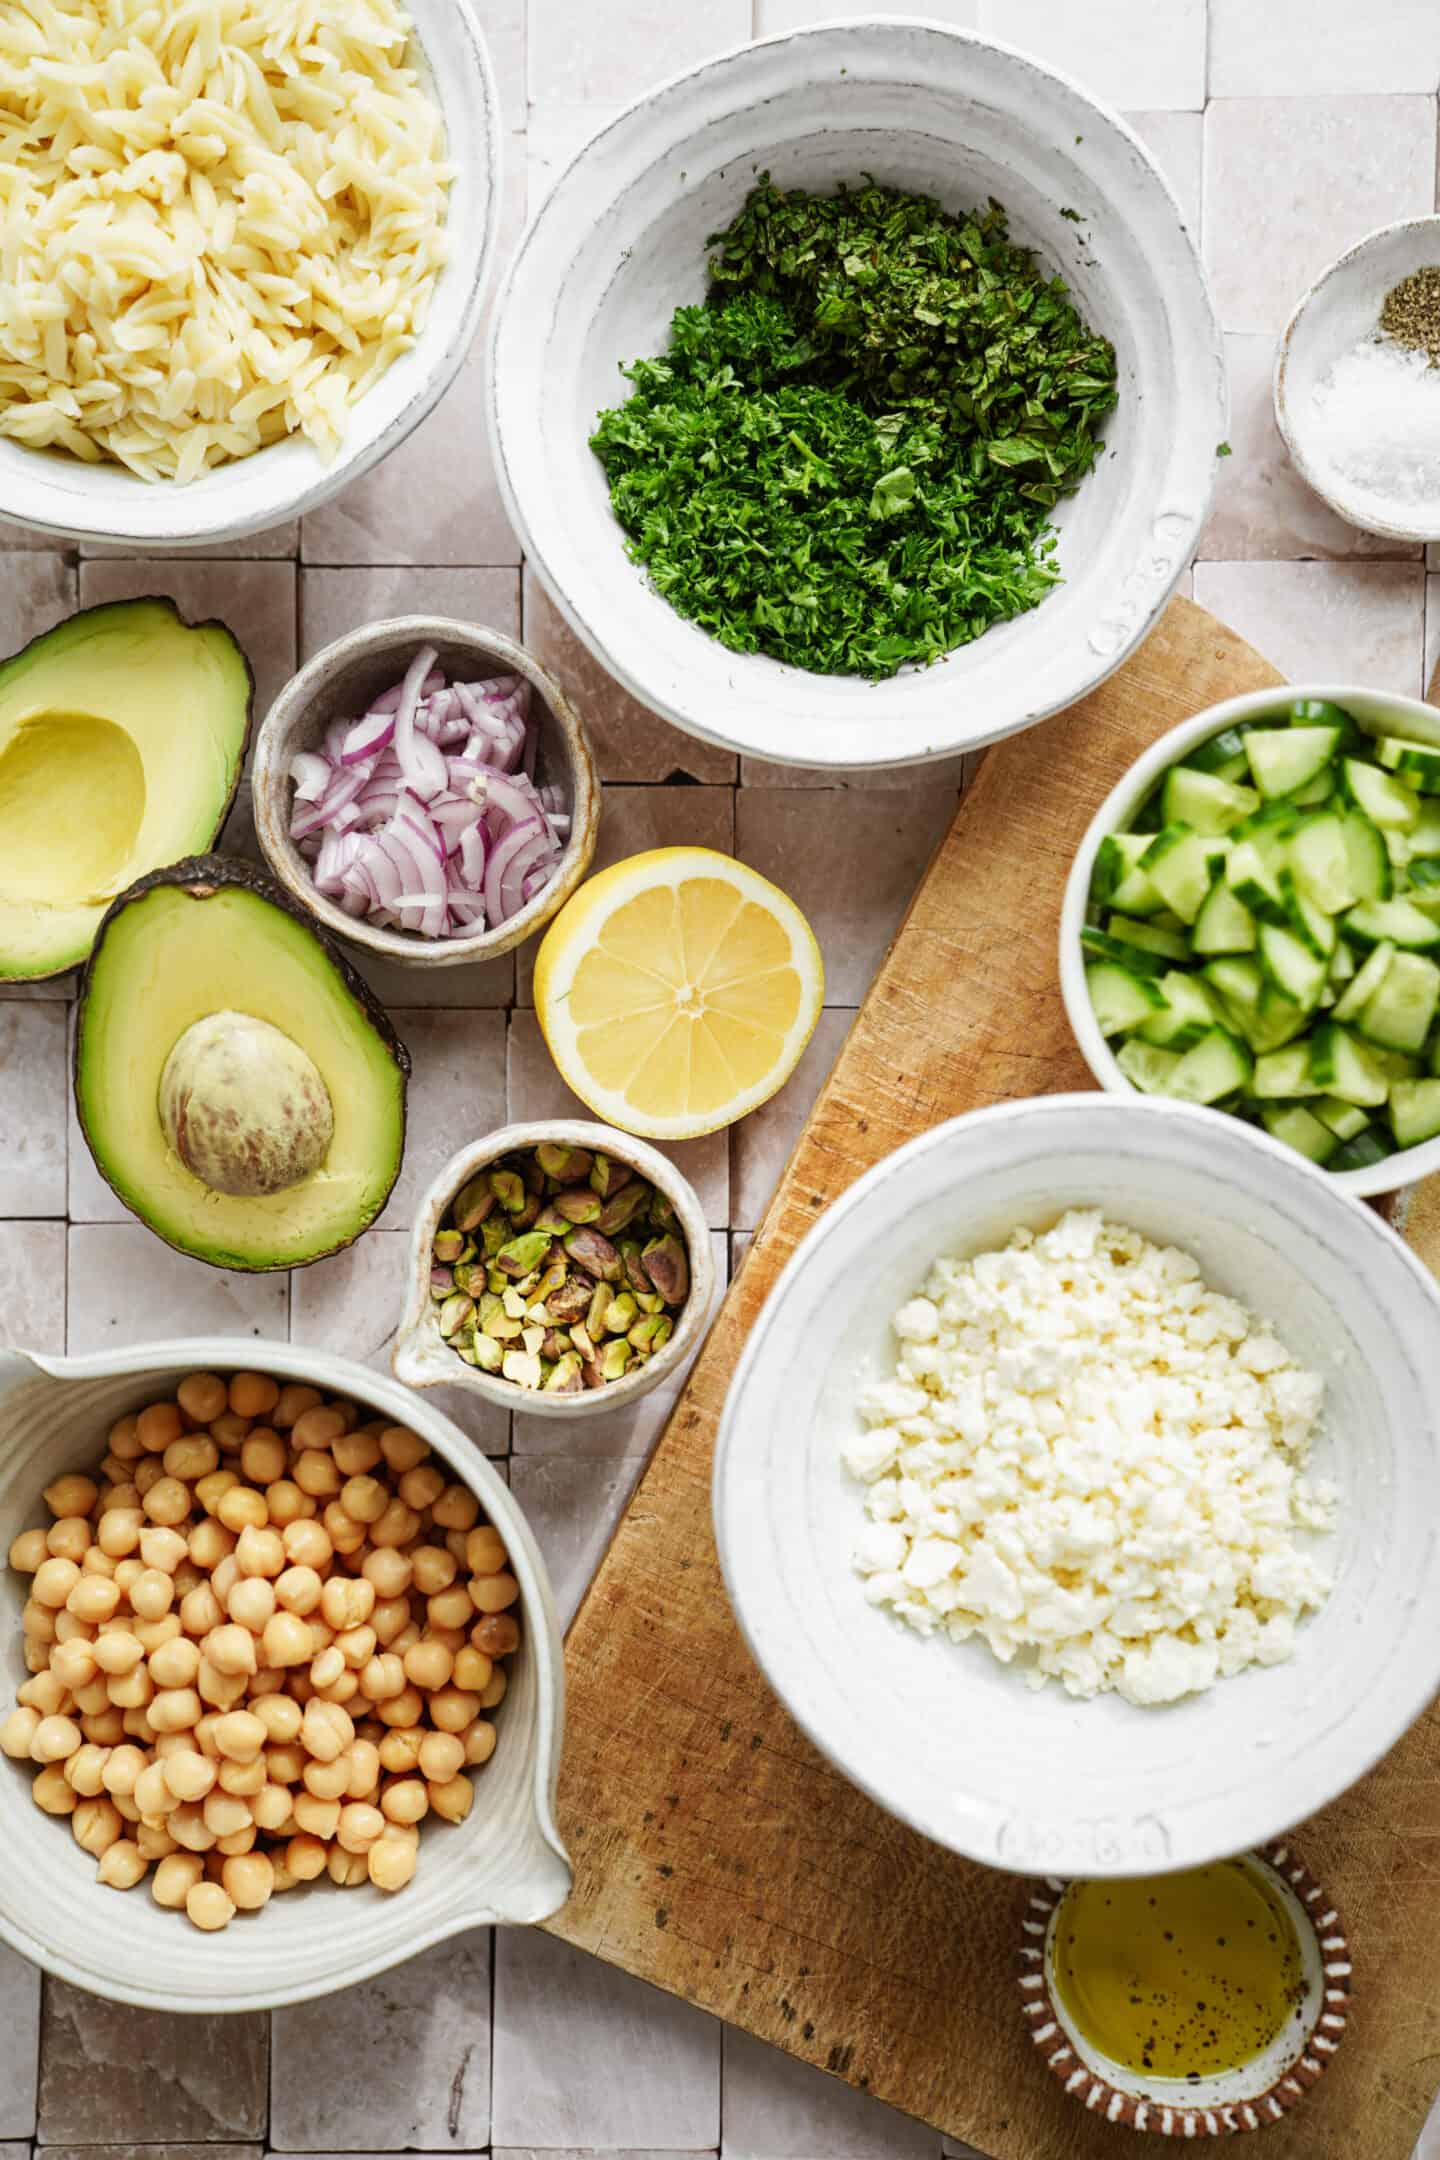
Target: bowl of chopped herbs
column 857, row 395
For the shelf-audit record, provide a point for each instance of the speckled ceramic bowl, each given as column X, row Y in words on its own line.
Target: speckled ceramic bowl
column 341, row 680
column 423, row 1359
column 621, row 243
column 1248, row 2098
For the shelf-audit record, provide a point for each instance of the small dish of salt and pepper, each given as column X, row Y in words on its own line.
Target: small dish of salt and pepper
column 1357, row 383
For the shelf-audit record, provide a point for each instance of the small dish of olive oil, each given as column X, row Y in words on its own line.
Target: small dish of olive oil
column 1190, row 2004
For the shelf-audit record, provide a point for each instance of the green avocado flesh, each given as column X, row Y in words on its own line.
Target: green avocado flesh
column 179, row 950
column 121, row 738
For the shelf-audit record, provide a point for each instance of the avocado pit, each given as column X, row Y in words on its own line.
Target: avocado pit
column 244, row 1107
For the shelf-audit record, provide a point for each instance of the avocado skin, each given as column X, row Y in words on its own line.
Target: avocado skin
column 211, row 622
column 203, row 875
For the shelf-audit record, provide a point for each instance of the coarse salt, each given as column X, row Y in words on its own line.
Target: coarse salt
column 1378, row 411
column 1095, row 1462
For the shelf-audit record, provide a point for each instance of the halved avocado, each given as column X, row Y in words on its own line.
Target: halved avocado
column 170, row 1062
column 122, row 734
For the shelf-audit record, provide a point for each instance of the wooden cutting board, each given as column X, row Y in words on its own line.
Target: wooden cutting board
column 716, row 1853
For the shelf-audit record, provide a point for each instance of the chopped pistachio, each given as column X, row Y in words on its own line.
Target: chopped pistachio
column 571, row 1300
column 490, row 1308
column 615, row 1360
column 532, row 1337
column 569, row 1165
column 565, row 1377
column 599, row 1305
column 608, row 1176
column 621, row 1314
column 504, row 1329
column 668, row 1268
column 464, row 1347
column 555, row 1344
column 514, row 1301
column 470, row 1277
column 488, row 1353
column 523, row 1255
column 522, row 1367
column 456, row 1312
column 473, row 1203
column 524, row 1217
column 532, row 1173
column 622, row 1207
column 578, row 1204
column 442, row 1282
column 550, row 1218
column 448, row 1247
column 649, row 1334
column 493, row 1235
column 635, row 1274
column 496, row 1281
column 509, row 1189
column 582, row 1340
column 538, row 1311
column 595, row 1253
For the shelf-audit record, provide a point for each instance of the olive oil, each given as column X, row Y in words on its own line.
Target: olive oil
column 1178, row 1976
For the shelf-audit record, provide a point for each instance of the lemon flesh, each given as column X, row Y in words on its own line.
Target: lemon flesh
column 677, row 991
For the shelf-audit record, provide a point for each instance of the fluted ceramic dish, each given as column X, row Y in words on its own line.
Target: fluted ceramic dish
column 59, row 495
column 423, row 1359
column 1373, row 710
column 504, row 1863
column 942, row 1734
column 339, row 682
column 621, row 243
column 1250, row 2096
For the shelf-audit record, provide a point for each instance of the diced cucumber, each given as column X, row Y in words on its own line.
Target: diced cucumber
column 1295, row 1125
column 1180, row 864
column 1320, row 860
column 1343, row 1118
column 1218, row 1065
column 1224, row 923
column 1296, row 972
column 1121, row 998
column 1384, row 800
column 1223, row 754
column 1192, row 1010
column 1148, row 818
column 1117, row 856
column 1344, row 1067
column 1204, row 801
column 1400, row 1012
column 1276, row 1020
column 1366, row 1148
column 1366, row 982
column 1314, row 928
column 1281, row 1075
column 1425, row 832
column 1417, row 762
column 1254, row 883
column 1156, row 936
column 1425, row 872
column 1399, row 848
column 1414, row 1111
column 1239, row 983
column 1394, row 1065
column 1146, row 1066
column 1398, row 920
column 1322, row 789
column 1343, row 965
column 1284, row 759
column 1319, row 712
column 1369, row 862
column 1133, row 957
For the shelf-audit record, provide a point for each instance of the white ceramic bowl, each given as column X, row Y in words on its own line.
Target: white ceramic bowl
column 621, row 242
column 504, row 1863
column 1373, row 709
column 52, row 493
column 1342, row 306
column 943, row 1735
column 339, row 682
column 423, row 1359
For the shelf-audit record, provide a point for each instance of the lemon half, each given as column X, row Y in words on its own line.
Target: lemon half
column 677, row 990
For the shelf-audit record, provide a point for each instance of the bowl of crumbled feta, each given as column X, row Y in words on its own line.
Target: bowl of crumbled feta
column 1075, row 1490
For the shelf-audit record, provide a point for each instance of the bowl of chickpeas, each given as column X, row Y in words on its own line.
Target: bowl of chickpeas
column 270, row 1629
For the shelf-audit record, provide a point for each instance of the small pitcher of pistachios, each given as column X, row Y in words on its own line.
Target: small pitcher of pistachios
column 559, row 1268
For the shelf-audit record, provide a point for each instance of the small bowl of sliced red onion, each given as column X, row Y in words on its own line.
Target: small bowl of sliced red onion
column 425, row 788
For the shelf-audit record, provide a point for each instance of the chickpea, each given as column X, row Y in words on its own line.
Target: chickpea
column 450, row 1609
column 175, row 1663
column 209, row 1542
column 320, row 1817
column 52, row 1791
column 260, row 1552
column 287, row 1503
column 221, row 1690
column 406, row 1708
column 364, row 1499
column 399, row 1751
column 454, row 1543
column 37, row 1622
column 73, row 1664
column 434, row 1569
column 327, row 1669
column 406, row 1801
column 390, row 1863
column 429, row 1665
column 397, row 1526
column 225, row 1813
column 307, row 1544
column 328, row 1780
column 119, row 1532
column 95, row 1563
column 442, row 1756
column 95, row 1825
column 151, row 1793
column 138, row 1728
column 284, row 1880
column 55, row 1740
column 249, row 1881
column 485, row 1552
column 317, row 1428
column 346, row 1535
column 161, row 1545
column 346, row 1870
column 271, row 1807
column 157, row 1425
column 326, row 1731
column 493, row 1694
column 200, row 1611
column 93, row 1599
column 209, row 1906
column 287, row 1641
column 154, row 1840
column 285, row 1762
column 390, row 1618
column 263, row 1456
column 192, row 1458
column 252, row 1598
column 472, row 1670
column 44, row 1693
column 18, row 1731
column 317, row 1475
column 305, row 1856
column 54, row 1580
column 202, row 1397
column 241, row 1509
column 151, row 1597
column 174, row 1879
column 497, row 1634
column 189, row 1829
column 177, row 1709
column 493, row 1593
column 253, row 1394
column 421, row 1487
column 68, row 1539
column 347, row 1601
column 229, row 1431
column 453, row 1800
column 299, row 1589
column 147, row 1473
column 123, row 1767
column 357, row 1646
column 359, row 1827
column 451, row 1709
column 240, row 1736
column 122, row 1865
column 364, row 1769
column 390, row 1572
column 211, row 1489
column 29, row 1551
column 245, row 1779
column 127, row 1571
column 456, row 1508
column 280, row 1715
column 402, row 1448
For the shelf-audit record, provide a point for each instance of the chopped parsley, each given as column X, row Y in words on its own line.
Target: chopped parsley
column 848, row 455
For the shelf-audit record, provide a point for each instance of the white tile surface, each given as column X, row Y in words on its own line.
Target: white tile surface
column 33, row 1095
column 573, row 1505
column 126, row 1287
column 1129, row 52
column 456, row 1094
column 774, row 16
column 430, row 2018
column 19, row 2043
column 37, row 590
column 32, row 1289
column 612, row 50
column 1176, row 141
column 1345, row 622
column 336, row 600
column 118, row 2076
column 585, row 2053
column 763, row 1142
column 778, row 2108
column 1297, row 48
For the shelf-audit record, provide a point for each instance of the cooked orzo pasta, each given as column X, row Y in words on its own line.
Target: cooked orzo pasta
column 220, row 222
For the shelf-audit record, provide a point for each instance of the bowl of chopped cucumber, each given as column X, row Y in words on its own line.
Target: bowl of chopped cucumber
column 1253, row 922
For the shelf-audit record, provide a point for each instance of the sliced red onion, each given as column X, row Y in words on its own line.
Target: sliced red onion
column 311, row 775
column 368, row 737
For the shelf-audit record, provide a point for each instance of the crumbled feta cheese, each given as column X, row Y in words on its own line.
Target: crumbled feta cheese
column 1094, row 1461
